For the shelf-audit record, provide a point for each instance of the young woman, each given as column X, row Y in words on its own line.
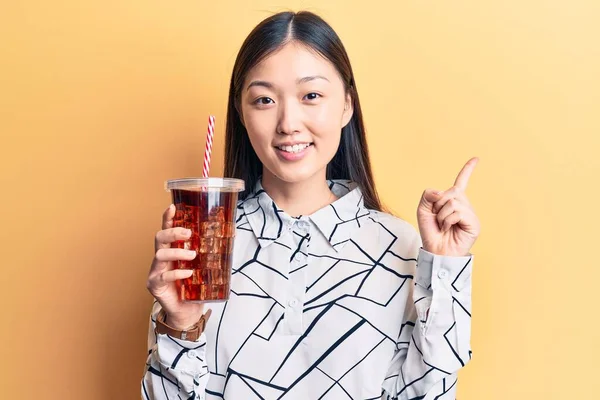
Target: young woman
column 331, row 298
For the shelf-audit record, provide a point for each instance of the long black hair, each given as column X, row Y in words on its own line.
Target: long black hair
column 351, row 160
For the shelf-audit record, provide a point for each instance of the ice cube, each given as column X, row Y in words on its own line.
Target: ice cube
column 210, row 245
column 179, row 214
column 194, row 242
column 204, row 293
column 214, row 263
column 211, row 260
column 212, row 276
column 228, row 229
column 217, row 214
column 215, row 245
column 226, row 245
column 211, row 229
column 206, row 245
column 190, row 213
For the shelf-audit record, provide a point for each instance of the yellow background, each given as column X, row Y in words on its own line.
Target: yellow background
column 101, row 102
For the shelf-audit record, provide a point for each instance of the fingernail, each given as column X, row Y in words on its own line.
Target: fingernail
column 187, row 232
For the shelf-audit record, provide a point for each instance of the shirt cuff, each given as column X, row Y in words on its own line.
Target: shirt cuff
column 181, row 354
column 451, row 272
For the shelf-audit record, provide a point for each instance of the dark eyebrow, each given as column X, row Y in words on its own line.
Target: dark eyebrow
column 260, row 83
column 311, row 78
column 269, row 85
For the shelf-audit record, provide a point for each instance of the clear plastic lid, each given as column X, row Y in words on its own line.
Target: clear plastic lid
column 198, row 184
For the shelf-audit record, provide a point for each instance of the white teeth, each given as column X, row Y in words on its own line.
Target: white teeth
column 295, row 148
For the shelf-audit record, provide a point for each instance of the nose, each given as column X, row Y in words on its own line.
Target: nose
column 290, row 118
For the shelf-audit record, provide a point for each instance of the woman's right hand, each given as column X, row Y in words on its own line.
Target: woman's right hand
column 162, row 276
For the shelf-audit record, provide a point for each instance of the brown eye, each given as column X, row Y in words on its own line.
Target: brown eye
column 263, row 101
column 312, row 96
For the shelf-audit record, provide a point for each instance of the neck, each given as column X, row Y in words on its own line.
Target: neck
column 298, row 198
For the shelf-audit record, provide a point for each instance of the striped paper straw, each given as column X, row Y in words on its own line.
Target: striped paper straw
column 208, row 149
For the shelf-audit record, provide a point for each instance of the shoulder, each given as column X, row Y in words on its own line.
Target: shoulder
column 396, row 226
column 403, row 239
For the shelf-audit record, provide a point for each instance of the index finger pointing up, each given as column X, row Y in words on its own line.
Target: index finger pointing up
column 465, row 173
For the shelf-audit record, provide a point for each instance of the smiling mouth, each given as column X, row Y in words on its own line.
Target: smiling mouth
column 297, row 148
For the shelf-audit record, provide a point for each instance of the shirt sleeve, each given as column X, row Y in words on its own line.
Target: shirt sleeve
column 175, row 369
column 434, row 341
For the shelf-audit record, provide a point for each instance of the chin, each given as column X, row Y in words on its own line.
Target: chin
column 294, row 174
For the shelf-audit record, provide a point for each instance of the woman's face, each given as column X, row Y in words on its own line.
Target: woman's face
column 294, row 106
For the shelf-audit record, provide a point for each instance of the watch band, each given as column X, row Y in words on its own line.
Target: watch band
column 191, row 334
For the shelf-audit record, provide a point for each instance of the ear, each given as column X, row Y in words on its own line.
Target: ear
column 348, row 110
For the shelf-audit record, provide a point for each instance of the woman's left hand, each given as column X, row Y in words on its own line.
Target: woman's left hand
column 447, row 222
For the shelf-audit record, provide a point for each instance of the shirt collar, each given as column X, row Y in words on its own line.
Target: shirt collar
column 336, row 222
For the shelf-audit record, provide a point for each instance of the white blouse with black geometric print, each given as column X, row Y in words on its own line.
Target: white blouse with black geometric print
column 341, row 304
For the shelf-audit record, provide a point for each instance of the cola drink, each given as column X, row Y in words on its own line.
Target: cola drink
column 207, row 207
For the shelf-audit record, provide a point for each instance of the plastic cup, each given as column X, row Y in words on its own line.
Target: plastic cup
column 207, row 207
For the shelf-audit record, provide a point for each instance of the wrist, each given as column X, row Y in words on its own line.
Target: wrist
column 182, row 323
column 446, row 253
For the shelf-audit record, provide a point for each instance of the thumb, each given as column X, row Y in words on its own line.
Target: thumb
column 430, row 196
